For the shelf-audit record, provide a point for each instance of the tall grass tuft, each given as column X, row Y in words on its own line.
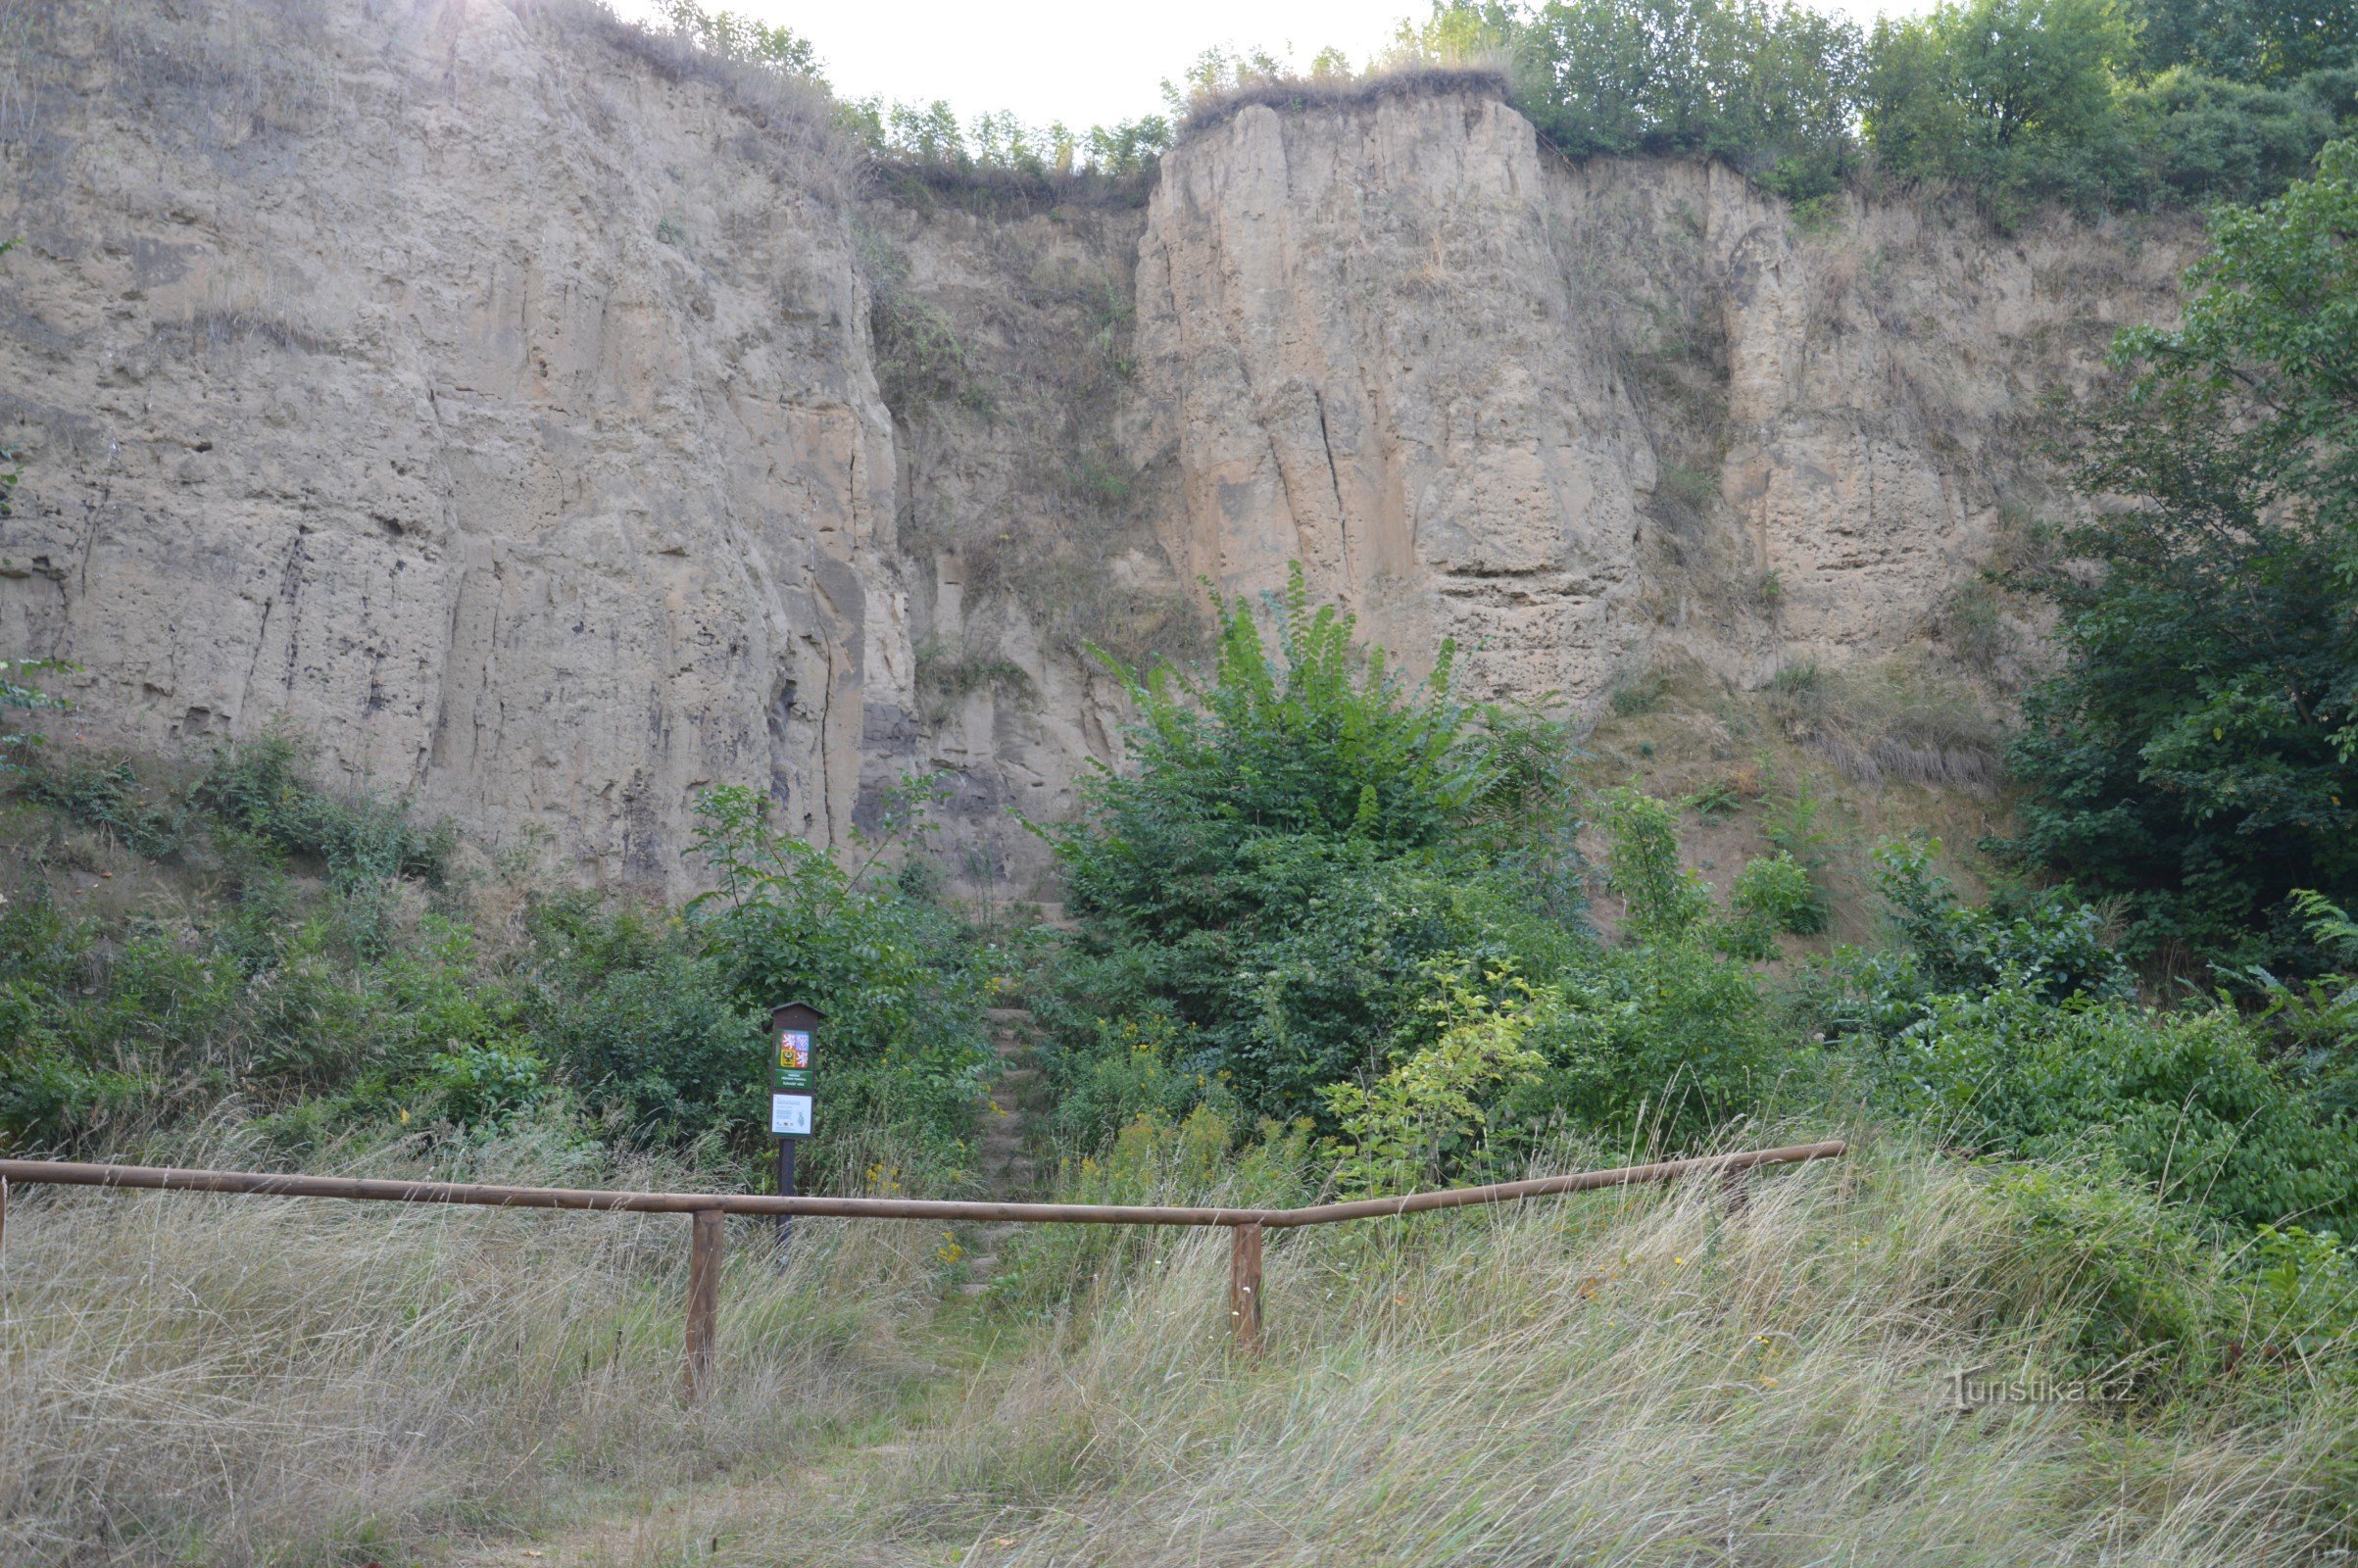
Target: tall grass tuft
column 237, row 1380
column 1616, row 1379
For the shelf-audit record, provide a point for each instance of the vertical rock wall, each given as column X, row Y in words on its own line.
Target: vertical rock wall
column 1574, row 416
column 1355, row 337
column 550, row 422
column 487, row 398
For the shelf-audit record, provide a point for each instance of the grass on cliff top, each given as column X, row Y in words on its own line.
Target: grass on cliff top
column 1629, row 1378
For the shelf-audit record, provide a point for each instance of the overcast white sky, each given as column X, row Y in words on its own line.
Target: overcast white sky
column 1084, row 62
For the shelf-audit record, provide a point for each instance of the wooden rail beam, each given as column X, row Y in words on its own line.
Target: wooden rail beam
column 707, row 1212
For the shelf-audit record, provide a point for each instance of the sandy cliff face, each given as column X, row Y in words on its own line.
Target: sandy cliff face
column 1574, row 416
column 550, row 428
column 488, row 401
column 1355, row 335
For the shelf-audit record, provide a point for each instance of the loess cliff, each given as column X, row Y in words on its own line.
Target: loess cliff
column 550, row 424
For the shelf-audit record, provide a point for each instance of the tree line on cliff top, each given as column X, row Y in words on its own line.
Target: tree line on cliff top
column 2094, row 104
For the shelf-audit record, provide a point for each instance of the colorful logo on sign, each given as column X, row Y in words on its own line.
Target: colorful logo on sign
column 794, row 1059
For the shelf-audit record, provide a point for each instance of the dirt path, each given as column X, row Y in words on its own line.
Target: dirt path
column 685, row 1525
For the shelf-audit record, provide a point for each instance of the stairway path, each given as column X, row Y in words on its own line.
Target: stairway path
column 1008, row 1168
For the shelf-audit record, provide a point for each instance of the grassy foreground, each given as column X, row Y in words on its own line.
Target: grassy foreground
column 1626, row 1377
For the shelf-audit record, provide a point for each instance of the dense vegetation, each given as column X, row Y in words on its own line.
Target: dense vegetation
column 2196, row 757
column 2089, row 102
column 328, row 968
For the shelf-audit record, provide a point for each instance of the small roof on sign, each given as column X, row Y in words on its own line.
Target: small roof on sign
column 777, row 1013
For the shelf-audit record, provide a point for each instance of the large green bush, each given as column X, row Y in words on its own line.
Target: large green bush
column 1296, row 840
column 646, row 1027
column 2182, row 1098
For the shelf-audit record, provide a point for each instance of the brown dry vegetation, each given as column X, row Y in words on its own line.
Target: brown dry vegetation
column 235, row 1380
column 1296, row 94
column 1614, row 1379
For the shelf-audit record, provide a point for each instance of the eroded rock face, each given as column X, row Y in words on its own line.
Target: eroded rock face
column 489, row 403
column 1572, row 416
column 551, row 425
column 1356, row 336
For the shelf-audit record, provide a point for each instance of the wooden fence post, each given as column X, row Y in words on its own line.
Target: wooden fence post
column 1245, row 1286
column 705, row 1245
column 1736, row 1189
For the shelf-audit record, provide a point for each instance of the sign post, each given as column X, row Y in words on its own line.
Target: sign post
column 791, row 1027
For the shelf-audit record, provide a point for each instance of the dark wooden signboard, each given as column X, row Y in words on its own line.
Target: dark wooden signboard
column 793, row 1027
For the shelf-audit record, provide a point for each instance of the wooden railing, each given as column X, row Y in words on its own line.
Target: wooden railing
column 706, row 1210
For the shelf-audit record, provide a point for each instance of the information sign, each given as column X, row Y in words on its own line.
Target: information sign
column 790, row 1115
column 791, row 1097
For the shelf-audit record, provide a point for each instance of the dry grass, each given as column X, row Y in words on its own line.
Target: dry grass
column 1610, row 1380
column 1625, row 1379
column 238, row 1380
column 1891, row 725
column 1291, row 94
column 1683, row 733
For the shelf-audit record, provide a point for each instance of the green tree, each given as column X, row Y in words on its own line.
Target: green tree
column 2197, row 754
column 743, row 38
column 2245, row 40
column 2013, row 96
column 1771, row 89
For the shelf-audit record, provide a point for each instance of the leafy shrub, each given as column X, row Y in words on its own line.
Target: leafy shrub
column 107, row 796
column 1664, row 900
column 2303, row 1291
column 902, row 981
column 1791, row 826
column 2052, row 946
column 644, row 1028
column 1427, row 1117
column 1299, row 839
column 2125, row 1273
column 260, row 787
column 1130, row 1068
column 2315, row 1022
column 1772, row 894
column 1630, row 699
column 2182, row 1098
column 1661, row 1045
column 49, row 1089
column 14, row 693
column 484, row 1086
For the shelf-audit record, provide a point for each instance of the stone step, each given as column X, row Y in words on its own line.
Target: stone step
column 1004, row 1160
